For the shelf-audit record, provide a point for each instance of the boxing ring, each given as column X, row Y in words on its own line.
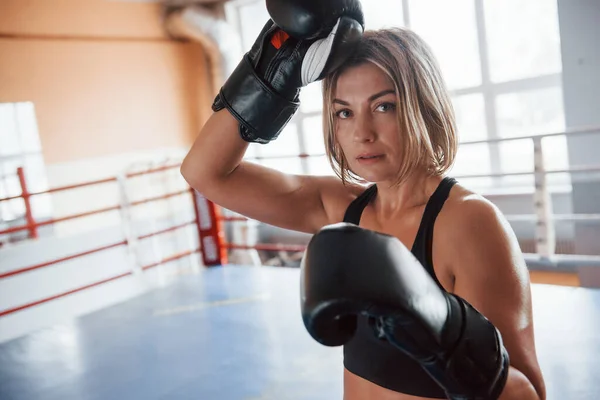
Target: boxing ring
column 162, row 306
column 235, row 333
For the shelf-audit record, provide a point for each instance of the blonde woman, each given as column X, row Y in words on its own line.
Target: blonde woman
column 388, row 121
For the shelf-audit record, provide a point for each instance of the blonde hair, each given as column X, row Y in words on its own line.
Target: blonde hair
column 425, row 113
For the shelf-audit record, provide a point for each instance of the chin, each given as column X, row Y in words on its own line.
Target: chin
column 372, row 175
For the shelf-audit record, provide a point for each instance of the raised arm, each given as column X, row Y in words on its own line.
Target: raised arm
column 215, row 168
column 301, row 44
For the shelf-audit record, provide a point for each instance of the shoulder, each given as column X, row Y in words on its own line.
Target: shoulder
column 337, row 196
column 485, row 259
column 475, row 232
column 469, row 215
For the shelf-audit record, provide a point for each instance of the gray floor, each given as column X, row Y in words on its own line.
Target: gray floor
column 236, row 333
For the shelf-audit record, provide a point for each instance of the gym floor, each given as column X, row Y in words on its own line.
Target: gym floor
column 235, row 333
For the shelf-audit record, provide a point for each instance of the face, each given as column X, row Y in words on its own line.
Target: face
column 366, row 123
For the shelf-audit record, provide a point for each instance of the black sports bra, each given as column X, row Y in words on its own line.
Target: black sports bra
column 374, row 359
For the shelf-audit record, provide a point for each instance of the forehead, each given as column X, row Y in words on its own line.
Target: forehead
column 362, row 80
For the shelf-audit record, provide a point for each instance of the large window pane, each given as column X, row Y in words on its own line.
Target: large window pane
column 311, row 98
column 35, row 173
column 10, row 186
column 252, row 151
column 8, row 173
column 313, row 135
column 523, row 38
column 383, row 13
column 315, row 145
column 12, row 210
column 470, row 117
column 530, row 112
column 285, row 144
column 253, row 17
column 517, row 156
column 27, row 124
column 286, row 165
column 319, row 166
column 450, row 29
column 9, row 130
column 555, row 152
column 285, row 150
column 556, row 158
column 472, row 159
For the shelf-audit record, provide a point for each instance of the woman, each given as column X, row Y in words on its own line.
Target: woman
column 388, row 120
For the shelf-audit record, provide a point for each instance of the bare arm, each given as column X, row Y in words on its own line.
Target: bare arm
column 491, row 275
column 215, row 168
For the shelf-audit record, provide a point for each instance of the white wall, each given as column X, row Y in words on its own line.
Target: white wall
column 580, row 36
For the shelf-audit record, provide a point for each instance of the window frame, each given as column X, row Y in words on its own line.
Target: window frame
column 488, row 89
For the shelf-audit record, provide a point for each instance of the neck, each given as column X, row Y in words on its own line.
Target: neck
column 393, row 200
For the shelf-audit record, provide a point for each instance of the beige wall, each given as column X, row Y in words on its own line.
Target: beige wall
column 103, row 76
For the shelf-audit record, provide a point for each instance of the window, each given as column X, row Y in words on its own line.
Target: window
column 311, row 99
column 526, row 113
column 470, row 118
column 523, row 39
column 501, row 62
column 285, row 145
column 451, row 32
column 318, row 164
column 20, row 147
column 252, row 18
column 383, row 14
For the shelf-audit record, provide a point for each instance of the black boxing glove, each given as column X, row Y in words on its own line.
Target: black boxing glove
column 303, row 42
column 347, row 270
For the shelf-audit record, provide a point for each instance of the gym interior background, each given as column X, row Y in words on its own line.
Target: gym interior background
column 100, row 237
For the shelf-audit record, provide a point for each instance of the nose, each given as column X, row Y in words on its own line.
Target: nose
column 363, row 128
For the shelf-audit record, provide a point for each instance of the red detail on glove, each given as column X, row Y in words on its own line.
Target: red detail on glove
column 279, row 39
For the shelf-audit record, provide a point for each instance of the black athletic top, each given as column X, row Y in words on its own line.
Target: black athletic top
column 374, row 359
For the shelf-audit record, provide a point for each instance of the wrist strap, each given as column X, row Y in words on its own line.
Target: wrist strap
column 261, row 112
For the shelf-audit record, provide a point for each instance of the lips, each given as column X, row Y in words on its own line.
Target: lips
column 368, row 156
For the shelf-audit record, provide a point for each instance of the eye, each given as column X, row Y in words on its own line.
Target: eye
column 385, row 107
column 343, row 114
